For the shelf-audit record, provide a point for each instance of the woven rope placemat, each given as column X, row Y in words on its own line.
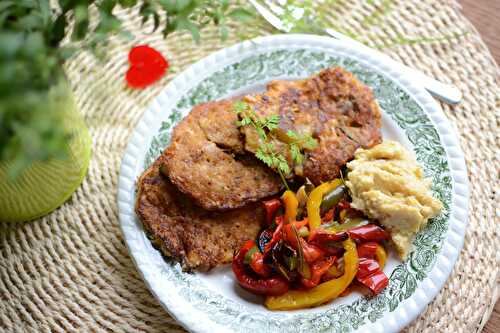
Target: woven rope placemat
column 70, row 271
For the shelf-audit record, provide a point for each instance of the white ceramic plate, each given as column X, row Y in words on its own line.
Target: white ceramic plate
column 212, row 302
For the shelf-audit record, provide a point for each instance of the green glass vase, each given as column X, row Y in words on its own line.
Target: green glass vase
column 44, row 186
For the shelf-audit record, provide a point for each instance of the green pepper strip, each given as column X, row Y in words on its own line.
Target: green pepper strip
column 332, row 198
column 350, row 224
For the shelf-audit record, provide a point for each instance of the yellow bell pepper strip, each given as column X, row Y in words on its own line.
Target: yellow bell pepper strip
column 301, row 196
column 342, row 215
column 315, row 199
column 291, row 206
column 381, row 256
column 324, row 292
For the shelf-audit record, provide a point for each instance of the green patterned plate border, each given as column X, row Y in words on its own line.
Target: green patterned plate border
column 413, row 283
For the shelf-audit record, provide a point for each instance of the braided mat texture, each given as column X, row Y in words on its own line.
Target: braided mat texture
column 70, row 271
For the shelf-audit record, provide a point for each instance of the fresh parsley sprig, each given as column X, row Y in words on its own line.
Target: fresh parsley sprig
column 267, row 154
column 265, row 128
column 248, row 116
column 297, row 142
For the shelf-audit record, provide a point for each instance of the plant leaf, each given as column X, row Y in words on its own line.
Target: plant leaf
column 239, row 106
column 292, row 135
column 127, row 3
column 272, row 122
column 310, row 142
column 45, row 12
column 191, row 27
column 241, row 14
column 5, row 4
column 296, row 154
column 81, row 23
column 58, row 30
column 224, row 32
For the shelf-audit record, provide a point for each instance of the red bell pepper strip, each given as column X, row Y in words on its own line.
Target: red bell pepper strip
column 369, row 232
column 317, row 270
column 328, row 217
column 258, row 265
column 277, row 235
column 271, row 206
column 371, row 261
column 367, row 250
column 327, row 241
column 265, row 286
column 367, row 267
column 321, row 236
column 375, row 282
column 343, row 204
column 373, row 250
column 311, row 252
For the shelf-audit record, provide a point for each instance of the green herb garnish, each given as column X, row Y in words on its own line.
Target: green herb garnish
column 296, row 142
column 265, row 127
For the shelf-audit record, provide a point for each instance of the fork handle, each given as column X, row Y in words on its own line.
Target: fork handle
column 446, row 92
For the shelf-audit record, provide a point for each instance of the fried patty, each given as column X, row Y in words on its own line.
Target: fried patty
column 207, row 161
column 197, row 238
column 333, row 107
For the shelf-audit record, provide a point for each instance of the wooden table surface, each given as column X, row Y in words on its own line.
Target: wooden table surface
column 485, row 15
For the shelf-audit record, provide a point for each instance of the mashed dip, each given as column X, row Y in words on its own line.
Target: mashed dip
column 387, row 184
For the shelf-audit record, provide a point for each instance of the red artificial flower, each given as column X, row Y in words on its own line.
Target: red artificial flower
column 146, row 66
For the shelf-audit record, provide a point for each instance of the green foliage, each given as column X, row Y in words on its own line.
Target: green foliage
column 309, row 16
column 32, row 52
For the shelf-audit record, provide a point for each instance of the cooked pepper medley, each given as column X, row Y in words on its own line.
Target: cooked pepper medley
column 314, row 248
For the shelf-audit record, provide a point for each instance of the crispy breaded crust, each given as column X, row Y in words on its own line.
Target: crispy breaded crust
column 197, row 238
column 206, row 160
column 334, row 107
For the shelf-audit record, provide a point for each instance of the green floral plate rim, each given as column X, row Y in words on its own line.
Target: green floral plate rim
column 210, row 302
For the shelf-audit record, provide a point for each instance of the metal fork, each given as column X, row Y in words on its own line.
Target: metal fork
column 445, row 92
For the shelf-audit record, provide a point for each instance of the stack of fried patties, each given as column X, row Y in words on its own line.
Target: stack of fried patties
column 200, row 200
